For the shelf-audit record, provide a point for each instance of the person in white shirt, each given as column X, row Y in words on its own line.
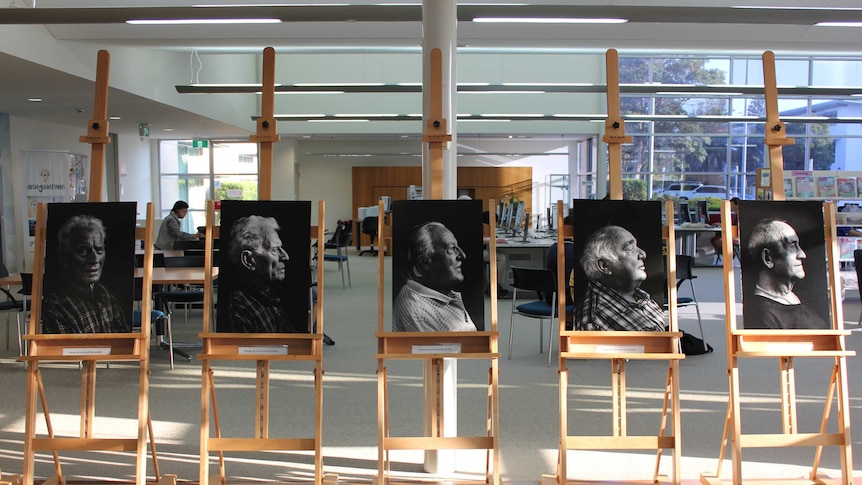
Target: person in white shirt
column 428, row 301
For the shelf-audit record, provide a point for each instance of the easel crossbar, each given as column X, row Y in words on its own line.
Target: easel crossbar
column 619, row 442
column 258, row 444
column 795, row 439
column 439, row 443
column 85, row 444
column 494, row 355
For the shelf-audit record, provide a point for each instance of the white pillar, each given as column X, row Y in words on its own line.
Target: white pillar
column 439, row 21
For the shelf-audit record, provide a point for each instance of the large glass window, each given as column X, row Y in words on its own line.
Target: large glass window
column 221, row 170
column 668, row 151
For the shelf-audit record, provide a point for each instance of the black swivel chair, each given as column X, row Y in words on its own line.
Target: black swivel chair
column 369, row 226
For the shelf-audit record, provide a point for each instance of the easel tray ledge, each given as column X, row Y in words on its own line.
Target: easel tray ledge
column 51, row 347
column 474, row 345
column 226, row 346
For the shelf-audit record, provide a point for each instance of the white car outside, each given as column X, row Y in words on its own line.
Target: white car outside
column 719, row 191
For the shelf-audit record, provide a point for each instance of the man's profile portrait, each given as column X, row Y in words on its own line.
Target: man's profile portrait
column 777, row 261
column 79, row 294
column 614, row 266
column 267, row 290
column 435, row 262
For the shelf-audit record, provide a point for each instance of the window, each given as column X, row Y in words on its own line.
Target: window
column 727, row 154
column 227, row 170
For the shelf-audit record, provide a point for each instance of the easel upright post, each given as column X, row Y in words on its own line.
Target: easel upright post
column 615, row 127
column 776, row 132
column 97, row 130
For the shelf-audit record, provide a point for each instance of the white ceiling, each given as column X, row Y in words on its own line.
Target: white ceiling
column 33, row 70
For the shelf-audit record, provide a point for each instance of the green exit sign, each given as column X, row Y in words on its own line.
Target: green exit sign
column 200, row 143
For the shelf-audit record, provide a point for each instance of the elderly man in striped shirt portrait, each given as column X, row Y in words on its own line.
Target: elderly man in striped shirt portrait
column 428, row 301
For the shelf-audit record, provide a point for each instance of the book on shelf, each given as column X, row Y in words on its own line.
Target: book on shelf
column 847, row 187
column 789, row 189
column 805, row 186
column 846, row 246
column 826, row 186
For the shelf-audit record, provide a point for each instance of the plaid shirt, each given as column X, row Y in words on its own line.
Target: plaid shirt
column 605, row 309
column 418, row 308
column 77, row 309
column 258, row 311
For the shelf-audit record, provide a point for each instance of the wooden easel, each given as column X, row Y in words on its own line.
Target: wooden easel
column 124, row 347
column 474, row 345
column 785, row 345
column 226, row 346
column 601, row 344
column 128, row 347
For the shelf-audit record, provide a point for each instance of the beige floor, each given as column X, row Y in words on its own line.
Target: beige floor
column 528, row 403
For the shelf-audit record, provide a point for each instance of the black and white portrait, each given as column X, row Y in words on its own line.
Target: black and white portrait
column 89, row 268
column 264, row 271
column 784, row 281
column 619, row 275
column 438, row 278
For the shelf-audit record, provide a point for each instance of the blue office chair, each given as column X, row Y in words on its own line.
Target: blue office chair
column 158, row 318
column 185, row 295
column 542, row 282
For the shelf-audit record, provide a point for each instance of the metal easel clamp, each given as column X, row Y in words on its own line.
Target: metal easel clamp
column 776, row 134
column 97, row 132
column 615, row 132
column 266, row 132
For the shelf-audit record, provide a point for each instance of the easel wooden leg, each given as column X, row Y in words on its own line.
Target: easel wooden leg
column 30, row 423
column 153, row 448
column 562, row 478
column 204, row 468
column 382, row 425
column 88, row 398
column 827, row 409
column 318, row 425
column 618, row 396
column 788, row 395
column 676, row 409
column 143, row 431
column 488, row 426
column 44, row 399
column 663, row 425
column 736, row 427
column 221, row 466
column 261, row 418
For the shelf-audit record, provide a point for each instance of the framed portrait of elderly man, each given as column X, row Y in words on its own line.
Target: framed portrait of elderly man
column 783, row 266
column 619, row 281
column 89, row 268
column 264, row 271
column 438, row 266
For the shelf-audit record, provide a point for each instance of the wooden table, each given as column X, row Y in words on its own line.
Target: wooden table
column 177, row 276
column 13, row 279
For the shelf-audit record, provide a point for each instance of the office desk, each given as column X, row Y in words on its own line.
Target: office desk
column 177, row 276
column 13, row 279
column 524, row 254
column 696, row 241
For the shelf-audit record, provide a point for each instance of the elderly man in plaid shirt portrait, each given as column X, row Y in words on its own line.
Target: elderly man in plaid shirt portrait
column 614, row 265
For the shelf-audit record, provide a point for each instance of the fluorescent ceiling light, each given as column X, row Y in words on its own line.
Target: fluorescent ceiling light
column 694, row 93
column 114, row 118
column 540, row 84
column 484, row 120
column 304, row 92
column 364, row 115
column 502, row 92
column 513, row 115
column 34, row 100
column 314, row 115
column 200, row 21
column 337, row 121
column 322, row 85
column 838, row 24
column 549, row 20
